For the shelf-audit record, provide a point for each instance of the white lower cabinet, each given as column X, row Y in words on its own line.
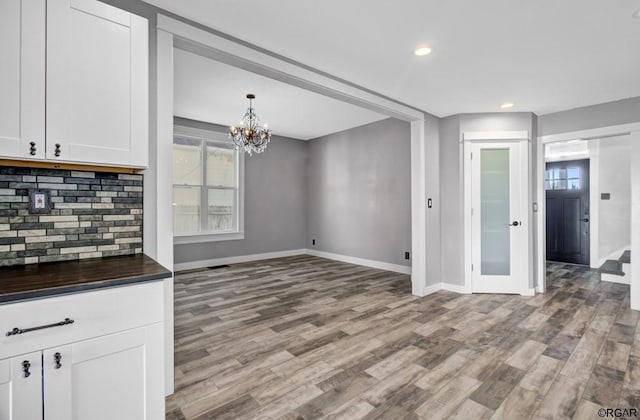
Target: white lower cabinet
column 21, row 387
column 113, row 376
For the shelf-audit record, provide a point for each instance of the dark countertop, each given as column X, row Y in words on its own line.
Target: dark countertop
column 31, row 281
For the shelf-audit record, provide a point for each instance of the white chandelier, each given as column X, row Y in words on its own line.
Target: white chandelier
column 251, row 136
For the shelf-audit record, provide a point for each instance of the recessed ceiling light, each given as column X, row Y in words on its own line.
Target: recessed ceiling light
column 507, row 105
column 636, row 14
column 422, row 50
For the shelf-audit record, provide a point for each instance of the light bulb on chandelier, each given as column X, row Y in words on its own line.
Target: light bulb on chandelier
column 251, row 136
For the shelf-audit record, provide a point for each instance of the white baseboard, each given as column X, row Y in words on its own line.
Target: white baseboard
column 456, row 288
column 432, row 289
column 463, row 290
column 268, row 255
column 612, row 278
column 361, row 261
column 239, row 259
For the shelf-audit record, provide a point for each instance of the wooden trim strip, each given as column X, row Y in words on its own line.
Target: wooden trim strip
column 68, row 166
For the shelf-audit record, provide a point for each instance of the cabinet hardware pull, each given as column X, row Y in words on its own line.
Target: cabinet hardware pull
column 32, row 149
column 57, row 151
column 57, row 358
column 25, row 368
column 17, row 331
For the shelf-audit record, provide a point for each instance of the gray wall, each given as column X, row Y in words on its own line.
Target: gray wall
column 275, row 216
column 359, row 192
column 452, row 182
column 536, row 179
column 268, row 162
column 614, row 177
column 635, row 219
column 451, row 194
column 602, row 115
column 433, row 216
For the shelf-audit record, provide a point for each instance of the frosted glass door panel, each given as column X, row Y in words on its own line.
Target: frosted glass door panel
column 495, row 214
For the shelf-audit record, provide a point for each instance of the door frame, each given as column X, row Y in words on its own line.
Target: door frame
column 592, row 159
column 632, row 129
column 593, row 156
column 468, row 138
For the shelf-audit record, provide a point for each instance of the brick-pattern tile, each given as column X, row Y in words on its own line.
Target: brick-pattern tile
column 94, row 214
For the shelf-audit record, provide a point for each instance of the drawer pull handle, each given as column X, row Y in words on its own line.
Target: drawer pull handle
column 25, row 368
column 17, row 331
column 57, row 358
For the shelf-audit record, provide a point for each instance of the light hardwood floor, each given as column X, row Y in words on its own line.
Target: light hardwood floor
column 305, row 338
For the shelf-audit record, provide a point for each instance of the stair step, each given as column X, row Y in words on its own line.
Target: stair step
column 626, row 257
column 612, row 267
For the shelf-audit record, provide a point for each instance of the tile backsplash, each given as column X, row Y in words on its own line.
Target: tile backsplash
column 93, row 214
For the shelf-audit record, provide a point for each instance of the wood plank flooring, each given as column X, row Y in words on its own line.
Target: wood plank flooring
column 308, row 338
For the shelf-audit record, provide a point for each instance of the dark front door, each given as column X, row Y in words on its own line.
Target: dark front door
column 567, row 190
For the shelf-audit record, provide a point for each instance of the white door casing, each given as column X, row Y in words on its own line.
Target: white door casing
column 632, row 129
column 498, row 261
column 520, row 258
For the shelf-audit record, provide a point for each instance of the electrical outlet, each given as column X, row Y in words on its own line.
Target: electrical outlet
column 406, row 255
column 313, row 242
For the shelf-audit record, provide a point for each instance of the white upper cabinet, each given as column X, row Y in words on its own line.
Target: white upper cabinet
column 22, row 78
column 81, row 66
column 97, row 84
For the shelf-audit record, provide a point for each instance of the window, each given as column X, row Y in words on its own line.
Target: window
column 562, row 179
column 207, row 187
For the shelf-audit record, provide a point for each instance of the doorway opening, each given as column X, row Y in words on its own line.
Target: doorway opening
column 587, row 187
column 174, row 35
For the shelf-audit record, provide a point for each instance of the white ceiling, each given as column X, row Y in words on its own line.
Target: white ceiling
column 207, row 90
column 544, row 55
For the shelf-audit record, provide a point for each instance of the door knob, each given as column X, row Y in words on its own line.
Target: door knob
column 586, row 220
column 57, row 359
column 515, row 223
column 25, row 368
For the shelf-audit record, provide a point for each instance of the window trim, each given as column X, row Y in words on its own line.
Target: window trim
column 201, row 237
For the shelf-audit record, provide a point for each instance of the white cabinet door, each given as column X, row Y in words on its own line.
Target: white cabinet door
column 97, row 84
column 21, row 387
column 118, row 376
column 57, row 370
column 22, row 78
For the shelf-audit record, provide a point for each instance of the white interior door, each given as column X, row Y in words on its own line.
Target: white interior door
column 498, row 235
